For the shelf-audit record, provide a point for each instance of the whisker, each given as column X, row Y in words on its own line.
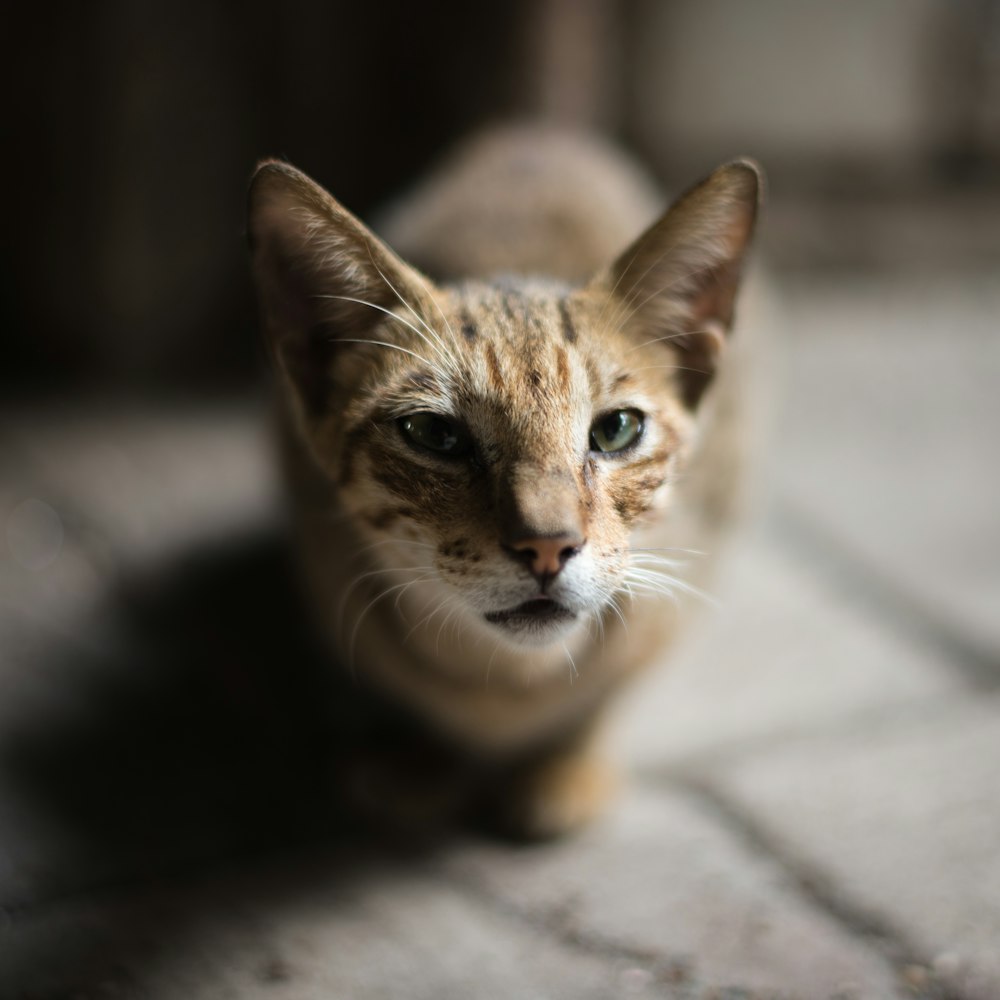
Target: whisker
column 416, row 315
column 689, row 552
column 637, row 284
column 632, row 307
column 361, row 577
column 437, row 305
column 383, row 343
column 361, row 617
column 573, row 673
column 613, row 604
column 599, row 622
column 447, row 618
column 489, row 663
column 673, row 368
column 382, row 309
column 667, row 584
column 610, row 300
column 662, row 340
column 444, row 602
column 399, row 596
column 445, row 375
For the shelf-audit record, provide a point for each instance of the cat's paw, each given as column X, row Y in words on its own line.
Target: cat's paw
column 557, row 797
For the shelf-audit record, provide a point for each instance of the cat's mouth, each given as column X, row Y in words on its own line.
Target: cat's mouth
column 539, row 612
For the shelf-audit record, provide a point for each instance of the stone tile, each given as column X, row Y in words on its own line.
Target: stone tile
column 89, row 492
column 351, row 925
column 46, row 581
column 782, row 654
column 662, row 876
column 134, row 481
column 889, row 434
column 902, row 822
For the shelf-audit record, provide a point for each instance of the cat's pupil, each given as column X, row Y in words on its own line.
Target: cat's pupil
column 616, row 430
column 440, row 434
column 614, row 425
column 435, row 433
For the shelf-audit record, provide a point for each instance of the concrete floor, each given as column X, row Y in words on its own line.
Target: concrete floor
column 814, row 808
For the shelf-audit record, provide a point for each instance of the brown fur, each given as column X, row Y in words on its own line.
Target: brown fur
column 407, row 552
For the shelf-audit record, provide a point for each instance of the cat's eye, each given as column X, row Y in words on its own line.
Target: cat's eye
column 615, row 431
column 436, row 433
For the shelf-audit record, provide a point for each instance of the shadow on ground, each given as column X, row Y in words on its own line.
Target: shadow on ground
column 213, row 729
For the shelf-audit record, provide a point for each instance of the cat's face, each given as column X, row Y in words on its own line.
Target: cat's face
column 507, row 458
column 497, row 445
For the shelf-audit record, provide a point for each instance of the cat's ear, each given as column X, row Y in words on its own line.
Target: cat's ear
column 678, row 282
column 323, row 278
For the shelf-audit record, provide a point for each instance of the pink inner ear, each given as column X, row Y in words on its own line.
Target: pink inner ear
column 712, row 299
column 710, row 337
column 709, row 315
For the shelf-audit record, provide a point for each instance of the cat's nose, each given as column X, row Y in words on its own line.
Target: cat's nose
column 545, row 556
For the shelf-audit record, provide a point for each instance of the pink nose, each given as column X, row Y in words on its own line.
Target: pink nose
column 546, row 556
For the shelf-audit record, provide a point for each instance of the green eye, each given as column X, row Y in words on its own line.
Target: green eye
column 437, row 434
column 615, row 431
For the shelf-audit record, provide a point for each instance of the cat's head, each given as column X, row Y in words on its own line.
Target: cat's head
column 496, row 444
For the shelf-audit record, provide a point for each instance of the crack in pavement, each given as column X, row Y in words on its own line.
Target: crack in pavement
column 838, row 564
column 819, row 890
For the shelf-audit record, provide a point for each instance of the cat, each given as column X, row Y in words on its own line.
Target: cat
column 501, row 450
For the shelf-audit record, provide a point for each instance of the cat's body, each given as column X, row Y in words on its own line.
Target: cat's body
column 497, row 477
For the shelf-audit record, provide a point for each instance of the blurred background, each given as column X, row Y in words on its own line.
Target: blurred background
column 133, row 127
column 164, row 716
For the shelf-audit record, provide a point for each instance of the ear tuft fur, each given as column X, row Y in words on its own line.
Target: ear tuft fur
column 322, row 276
column 678, row 281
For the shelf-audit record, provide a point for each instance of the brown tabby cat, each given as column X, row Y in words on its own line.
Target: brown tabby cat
column 499, row 461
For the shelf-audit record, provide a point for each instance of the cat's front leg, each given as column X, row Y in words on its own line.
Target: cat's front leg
column 558, row 792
